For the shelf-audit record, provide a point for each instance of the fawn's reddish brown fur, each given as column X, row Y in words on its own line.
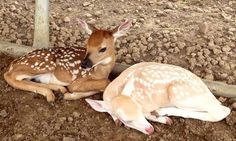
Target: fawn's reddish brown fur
column 83, row 70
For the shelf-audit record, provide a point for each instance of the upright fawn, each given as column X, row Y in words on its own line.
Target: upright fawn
column 83, row 70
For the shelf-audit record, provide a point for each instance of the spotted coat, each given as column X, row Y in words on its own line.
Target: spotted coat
column 144, row 83
column 65, row 59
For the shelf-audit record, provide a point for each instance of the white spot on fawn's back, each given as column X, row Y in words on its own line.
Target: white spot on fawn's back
column 36, row 63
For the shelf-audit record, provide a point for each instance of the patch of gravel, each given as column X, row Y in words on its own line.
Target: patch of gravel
column 197, row 35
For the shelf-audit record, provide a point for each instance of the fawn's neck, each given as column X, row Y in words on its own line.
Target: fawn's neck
column 102, row 71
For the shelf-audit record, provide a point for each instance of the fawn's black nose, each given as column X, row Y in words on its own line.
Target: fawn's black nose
column 86, row 64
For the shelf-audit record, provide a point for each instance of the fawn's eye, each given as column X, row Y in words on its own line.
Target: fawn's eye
column 102, row 50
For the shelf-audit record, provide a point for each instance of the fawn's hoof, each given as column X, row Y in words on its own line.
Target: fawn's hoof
column 118, row 123
column 60, row 96
column 50, row 97
column 169, row 121
column 62, row 90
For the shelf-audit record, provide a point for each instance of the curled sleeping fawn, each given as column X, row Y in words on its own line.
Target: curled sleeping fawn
column 84, row 71
column 155, row 91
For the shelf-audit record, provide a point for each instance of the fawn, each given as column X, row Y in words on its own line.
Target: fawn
column 83, row 70
column 155, row 91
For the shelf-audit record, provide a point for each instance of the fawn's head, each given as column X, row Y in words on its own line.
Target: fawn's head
column 101, row 44
column 126, row 110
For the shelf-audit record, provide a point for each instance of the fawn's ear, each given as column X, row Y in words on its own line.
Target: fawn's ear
column 97, row 105
column 121, row 29
column 87, row 27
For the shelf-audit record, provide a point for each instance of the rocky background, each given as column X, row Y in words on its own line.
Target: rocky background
column 199, row 35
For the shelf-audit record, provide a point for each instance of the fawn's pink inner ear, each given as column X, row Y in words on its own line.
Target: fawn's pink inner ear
column 125, row 25
column 82, row 23
column 98, row 104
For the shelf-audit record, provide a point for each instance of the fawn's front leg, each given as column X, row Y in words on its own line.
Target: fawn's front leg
column 85, row 87
column 88, row 84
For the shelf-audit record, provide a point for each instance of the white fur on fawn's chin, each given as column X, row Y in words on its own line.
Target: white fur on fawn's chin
column 106, row 60
column 103, row 62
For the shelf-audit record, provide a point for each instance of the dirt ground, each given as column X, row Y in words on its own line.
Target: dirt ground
column 197, row 35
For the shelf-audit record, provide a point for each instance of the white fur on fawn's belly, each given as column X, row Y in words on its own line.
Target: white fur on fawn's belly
column 48, row 78
column 23, row 76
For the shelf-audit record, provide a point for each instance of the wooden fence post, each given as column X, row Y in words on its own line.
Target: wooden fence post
column 41, row 24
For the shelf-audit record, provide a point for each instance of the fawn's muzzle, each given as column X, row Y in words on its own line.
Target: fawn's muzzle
column 86, row 63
